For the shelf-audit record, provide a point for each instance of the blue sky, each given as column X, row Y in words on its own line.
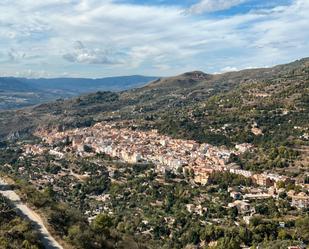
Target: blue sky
column 98, row 38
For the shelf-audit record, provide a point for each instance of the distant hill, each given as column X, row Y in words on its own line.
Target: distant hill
column 8, row 84
column 21, row 92
column 222, row 109
column 83, row 85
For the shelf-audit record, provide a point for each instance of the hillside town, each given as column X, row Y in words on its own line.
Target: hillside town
column 168, row 154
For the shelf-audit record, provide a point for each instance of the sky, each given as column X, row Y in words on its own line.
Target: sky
column 99, row 38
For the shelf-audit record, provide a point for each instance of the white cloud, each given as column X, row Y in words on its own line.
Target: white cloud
column 15, row 55
column 81, row 54
column 118, row 38
column 28, row 73
column 213, row 5
column 228, row 69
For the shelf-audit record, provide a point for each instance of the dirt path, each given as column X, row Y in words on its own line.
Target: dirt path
column 48, row 241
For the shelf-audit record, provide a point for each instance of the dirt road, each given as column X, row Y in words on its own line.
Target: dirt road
column 48, row 241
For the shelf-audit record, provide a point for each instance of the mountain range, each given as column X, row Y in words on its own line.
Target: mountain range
column 21, row 92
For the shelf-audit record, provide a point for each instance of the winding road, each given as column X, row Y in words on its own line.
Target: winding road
column 48, row 241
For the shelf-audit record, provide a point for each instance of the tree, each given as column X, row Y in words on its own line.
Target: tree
column 282, row 234
column 102, row 223
column 302, row 228
column 228, row 243
column 88, row 148
column 81, row 237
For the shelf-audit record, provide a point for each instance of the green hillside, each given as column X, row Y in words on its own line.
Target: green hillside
column 220, row 109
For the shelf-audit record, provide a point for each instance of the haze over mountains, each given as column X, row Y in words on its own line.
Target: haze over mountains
column 21, row 92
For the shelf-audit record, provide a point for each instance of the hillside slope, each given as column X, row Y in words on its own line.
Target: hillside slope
column 193, row 105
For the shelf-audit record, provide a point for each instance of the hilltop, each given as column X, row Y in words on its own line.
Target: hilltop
column 186, row 80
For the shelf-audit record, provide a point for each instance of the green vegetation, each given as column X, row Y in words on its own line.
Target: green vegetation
column 98, row 202
column 144, row 209
column 217, row 109
column 71, row 225
column 15, row 233
column 225, row 180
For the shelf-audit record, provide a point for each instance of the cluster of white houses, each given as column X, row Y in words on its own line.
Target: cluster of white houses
column 135, row 146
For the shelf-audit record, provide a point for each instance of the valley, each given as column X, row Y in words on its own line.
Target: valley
column 154, row 124
column 22, row 92
column 191, row 161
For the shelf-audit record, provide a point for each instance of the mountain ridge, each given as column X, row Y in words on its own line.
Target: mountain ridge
column 22, row 92
column 155, row 105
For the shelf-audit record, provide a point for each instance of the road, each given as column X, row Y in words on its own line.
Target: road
column 48, row 241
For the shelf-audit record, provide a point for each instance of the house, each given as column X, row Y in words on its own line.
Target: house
column 262, row 180
column 242, row 206
column 242, row 172
column 243, row 147
column 300, row 200
column 281, row 224
column 259, row 196
column 201, row 175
